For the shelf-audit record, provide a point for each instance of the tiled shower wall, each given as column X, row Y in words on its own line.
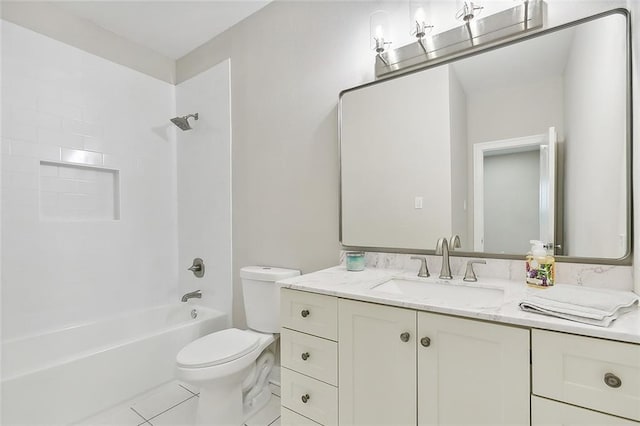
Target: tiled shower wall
column 88, row 186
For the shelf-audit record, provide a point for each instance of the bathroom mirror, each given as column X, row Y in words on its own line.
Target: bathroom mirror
column 525, row 141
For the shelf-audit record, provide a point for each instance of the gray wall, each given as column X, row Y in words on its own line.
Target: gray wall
column 511, row 213
column 285, row 84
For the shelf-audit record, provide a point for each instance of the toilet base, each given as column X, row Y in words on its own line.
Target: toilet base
column 220, row 406
column 257, row 403
column 223, row 404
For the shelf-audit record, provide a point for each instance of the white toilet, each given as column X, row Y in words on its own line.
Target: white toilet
column 231, row 367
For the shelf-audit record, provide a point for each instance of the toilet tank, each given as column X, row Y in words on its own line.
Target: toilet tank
column 262, row 296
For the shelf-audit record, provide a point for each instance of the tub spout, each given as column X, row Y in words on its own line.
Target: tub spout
column 193, row 295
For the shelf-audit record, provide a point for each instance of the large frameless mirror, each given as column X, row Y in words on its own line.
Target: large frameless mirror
column 527, row 141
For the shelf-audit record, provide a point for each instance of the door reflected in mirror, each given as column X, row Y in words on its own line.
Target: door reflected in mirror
column 529, row 141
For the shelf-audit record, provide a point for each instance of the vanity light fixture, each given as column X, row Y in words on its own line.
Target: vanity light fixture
column 467, row 10
column 525, row 16
column 378, row 30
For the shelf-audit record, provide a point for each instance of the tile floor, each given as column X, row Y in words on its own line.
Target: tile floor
column 174, row 404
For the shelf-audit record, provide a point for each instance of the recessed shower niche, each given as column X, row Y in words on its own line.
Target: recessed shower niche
column 70, row 192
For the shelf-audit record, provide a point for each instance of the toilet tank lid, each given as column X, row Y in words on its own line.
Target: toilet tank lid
column 267, row 273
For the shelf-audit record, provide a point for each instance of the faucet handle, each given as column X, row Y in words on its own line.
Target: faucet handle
column 424, row 271
column 197, row 268
column 470, row 275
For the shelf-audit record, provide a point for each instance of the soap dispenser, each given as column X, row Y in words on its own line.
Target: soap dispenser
column 540, row 266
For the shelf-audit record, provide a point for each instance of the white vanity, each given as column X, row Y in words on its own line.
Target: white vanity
column 355, row 354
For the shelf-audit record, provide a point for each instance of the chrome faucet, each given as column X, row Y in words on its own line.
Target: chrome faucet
column 442, row 248
column 193, row 295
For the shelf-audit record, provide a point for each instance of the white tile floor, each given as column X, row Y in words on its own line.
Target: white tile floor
column 174, row 404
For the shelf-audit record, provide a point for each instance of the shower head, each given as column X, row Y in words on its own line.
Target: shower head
column 183, row 122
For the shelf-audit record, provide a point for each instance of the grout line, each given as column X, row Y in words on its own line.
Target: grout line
column 173, row 406
column 274, row 420
column 187, row 389
column 141, row 416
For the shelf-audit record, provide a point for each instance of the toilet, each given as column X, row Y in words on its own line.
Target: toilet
column 231, row 367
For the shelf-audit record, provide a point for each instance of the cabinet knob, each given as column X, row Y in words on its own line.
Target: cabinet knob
column 612, row 380
column 305, row 356
column 305, row 398
column 304, row 313
column 425, row 341
column 405, row 336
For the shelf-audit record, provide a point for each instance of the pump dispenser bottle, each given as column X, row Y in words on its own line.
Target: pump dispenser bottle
column 541, row 271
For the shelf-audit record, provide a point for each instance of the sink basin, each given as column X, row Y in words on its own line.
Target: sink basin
column 442, row 292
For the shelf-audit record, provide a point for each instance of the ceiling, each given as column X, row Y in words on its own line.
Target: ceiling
column 171, row 28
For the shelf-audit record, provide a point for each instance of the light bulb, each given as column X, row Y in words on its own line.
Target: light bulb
column 419, row 15
column 378, row 30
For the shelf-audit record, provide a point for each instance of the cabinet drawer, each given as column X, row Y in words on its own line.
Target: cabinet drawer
column 310, row 355
column 321, row 399
column 545, row 412
column 291, row 418
column 311, row 313
column 584, row 371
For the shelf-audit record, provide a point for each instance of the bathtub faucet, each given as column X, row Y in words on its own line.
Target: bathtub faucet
column 193, row 295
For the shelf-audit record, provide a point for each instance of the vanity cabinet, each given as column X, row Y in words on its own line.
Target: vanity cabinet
column 472, row 372
column 403, row 367
column 378, row 371
column 545, row 412
column 586, row 372
column 357, row 363
column 309, row 358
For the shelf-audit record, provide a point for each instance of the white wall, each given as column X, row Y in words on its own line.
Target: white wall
column 204, row 185
column 595, row 93
column 45, row 17
column 459, row 157
column 511, row 112
column 58, row 100
column 393, row 152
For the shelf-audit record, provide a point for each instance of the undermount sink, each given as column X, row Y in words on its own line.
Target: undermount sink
column 442, row 292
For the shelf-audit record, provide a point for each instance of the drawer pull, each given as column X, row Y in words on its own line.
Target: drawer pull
column 305, row 398
column 305, row 356
column 405, row 336
column 425, row 341
column 304, row 313
column 612, row 380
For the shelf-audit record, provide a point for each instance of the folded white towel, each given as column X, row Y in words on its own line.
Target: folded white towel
column 593, row 306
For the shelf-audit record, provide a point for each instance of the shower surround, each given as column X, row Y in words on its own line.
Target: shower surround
column 92, row 228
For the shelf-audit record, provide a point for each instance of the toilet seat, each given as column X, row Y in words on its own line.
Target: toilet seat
column 217, row 348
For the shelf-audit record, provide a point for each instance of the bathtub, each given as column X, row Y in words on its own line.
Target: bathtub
column 63, row 376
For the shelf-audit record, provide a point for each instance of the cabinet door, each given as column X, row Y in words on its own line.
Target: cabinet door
column 545, row 412
column 377, row 364
column 471, row 372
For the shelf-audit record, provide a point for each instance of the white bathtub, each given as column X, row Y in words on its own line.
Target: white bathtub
column 63, row 376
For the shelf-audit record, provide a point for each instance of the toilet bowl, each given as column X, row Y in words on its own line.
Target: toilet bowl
column 231, row 367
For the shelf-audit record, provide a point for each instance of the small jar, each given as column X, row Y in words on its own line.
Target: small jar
column 355, row 260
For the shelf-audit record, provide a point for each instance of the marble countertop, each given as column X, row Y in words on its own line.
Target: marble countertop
column 337, row 281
